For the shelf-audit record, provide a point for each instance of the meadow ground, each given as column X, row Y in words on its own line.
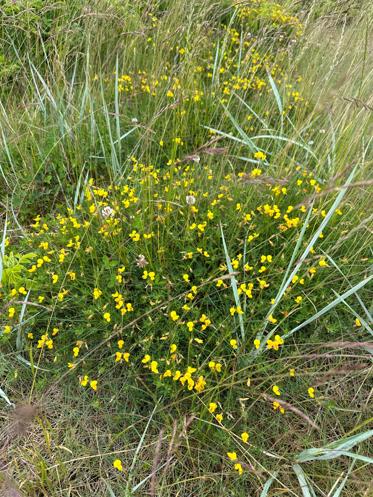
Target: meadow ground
column 185, row 239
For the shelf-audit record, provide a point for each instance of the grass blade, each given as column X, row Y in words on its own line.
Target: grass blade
column 306, row 488
column 330, row 306
column 277, row 98
column 2, row 247
column 4, row 396
column 338, row 491
column 335, row 449
column 233, row 283
column 268, row 484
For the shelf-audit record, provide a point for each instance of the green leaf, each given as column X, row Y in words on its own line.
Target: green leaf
column 268, row 484
column 336, row 449
column 233, row 283
column 305, row 487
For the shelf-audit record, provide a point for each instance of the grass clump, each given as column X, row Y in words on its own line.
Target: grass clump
column 185, row 251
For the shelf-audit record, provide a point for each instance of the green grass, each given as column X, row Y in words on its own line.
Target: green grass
column 125, row 119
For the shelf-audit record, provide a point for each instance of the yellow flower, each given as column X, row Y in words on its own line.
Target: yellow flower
column 135, row 236
column 276, row 390
column 84, row 381
column 219, row 418
column 173, row 348
column 177, row 375
column 233, row 344
column 120, row 344
column 298, row 299
column 245, row 437
column 238, row 467
column 7, row 329
column 11, row 312
column 186, row 277
column 200, row 384
column 117, row 464
column 232, row 456
column 154, row 367
column 260, row 155
column 174, row 316
column 275, row 344
column 277, row 405
column 190, row 325
column 311, row 392
column 97, row 293
column 93, row 385
column 54, row 278
column 256, row 172
column 148, row 275
column 212, row 407
column 107, row 316
column 256, row 343
column 118, row 356
column 292, row 372
column 271, row 319
column 146, row 359
column 357, row 322
column 76, row 351
column 323, row 263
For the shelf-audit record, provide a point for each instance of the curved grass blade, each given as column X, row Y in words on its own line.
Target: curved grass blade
column 306, row 488
column 327, row 308
column 233, row 282
column 336, row 449
column 268, row 484
column 4, row 396
column 277, row 98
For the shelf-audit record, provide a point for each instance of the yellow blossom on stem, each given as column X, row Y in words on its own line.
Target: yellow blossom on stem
column 278, row 406
column 174, row 315
column 84, row 381
column 117, row 464
column 97, row 293
column 154, row 367
column 232, row 456
column 219, row 418
column 260, row 155
column 245, row 436
column 276, row 390
column 190, row 325
column 146, row 359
